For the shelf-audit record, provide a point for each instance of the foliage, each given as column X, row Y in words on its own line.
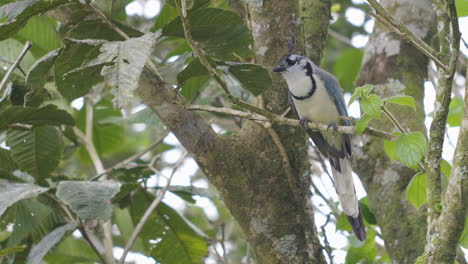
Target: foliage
column 54, row 152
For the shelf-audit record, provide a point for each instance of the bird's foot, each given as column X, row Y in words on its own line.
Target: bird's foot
column 334, row 126
column 304, row 123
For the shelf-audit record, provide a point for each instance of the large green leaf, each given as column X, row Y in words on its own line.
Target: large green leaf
column 219, row 32
column 410, row 148
column 71, row 77
column 127, row 58
column 171, row 238
column 37, row 150
column 371, row 105
column 41, row 31
column 47, row 115
column 365, row 253
column 401, row 100
column 47, row 243
column 6, row 162
column 14, row 192
column 462, row 7
column 167, row 14
column 18, row 13
column 389, row 147
column 416, row 190
column 72, row 250
column 347, row 67
column 39, row 71
column 90, row 200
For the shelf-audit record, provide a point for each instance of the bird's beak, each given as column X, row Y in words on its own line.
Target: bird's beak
column 279, row 69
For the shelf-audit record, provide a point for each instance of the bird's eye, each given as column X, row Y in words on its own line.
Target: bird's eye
column 289, row 62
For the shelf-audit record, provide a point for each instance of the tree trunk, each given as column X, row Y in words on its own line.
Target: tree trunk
column 396, row 68
column 273, row 209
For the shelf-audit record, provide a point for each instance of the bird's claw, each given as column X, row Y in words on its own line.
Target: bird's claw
column 334, row 126
column 304, row 123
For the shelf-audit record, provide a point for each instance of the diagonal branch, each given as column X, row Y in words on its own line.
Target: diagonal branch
column 12, row 68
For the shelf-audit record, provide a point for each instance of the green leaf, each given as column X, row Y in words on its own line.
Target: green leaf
column 128, row 58
column 366, row 211
column 410, row 148
column 462, row 7
column 445, row 168
column 362, row 123
column 6, row 162
column 342, row 223
column 48, row 242
column 41, row 31
column 111, row 7
column 359, row 92
column 254, row 78
column 171, row 238
column 14, row 192
column 371, row 105
column 193, row 69
column 71, row 78
column 416, row 190
column 401, row 100
column 18, row 13
column 219, row 32
column 347, row 67
column 47, row 115
column 39, row 71
column 389, row 147
column 199, row 4
column 11, row 250
column 124, row 222
column 72, row 250
column 90, row 200
column 364, row 254
column 38, row 150
column 167, row 14
column 455, row 112
column 193, row 86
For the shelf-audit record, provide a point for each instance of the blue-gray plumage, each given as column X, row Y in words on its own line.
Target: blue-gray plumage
column 316, row 96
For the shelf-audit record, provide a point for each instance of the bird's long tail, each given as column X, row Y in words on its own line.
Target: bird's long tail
column 347, row 195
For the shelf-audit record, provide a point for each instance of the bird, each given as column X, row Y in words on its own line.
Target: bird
column 315, row 95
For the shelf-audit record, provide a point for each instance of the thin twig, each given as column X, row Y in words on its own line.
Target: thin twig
column 327, row 247
column 394, row 120
column 90, row 242
column 383, row 15
column 9, row 62
column 10, row 71
column 149, row 64
column 131, row 158
column 277, row 119
column 150, row 210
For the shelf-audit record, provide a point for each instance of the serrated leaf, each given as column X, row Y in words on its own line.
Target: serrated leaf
column 47, row 243
column 416, row 190
column 38, row 150
column 128, row 58
column 18, row 13
column 47, row 115
column 362, row 123
column 371, row 105
column 410, row 148
column 455, row 112
column 359, row 92
column 401, row 100
column 389, row 147
column 169, row 235
column 39, row 71
column 90, row 200
column 14, row 192
column 219, row 32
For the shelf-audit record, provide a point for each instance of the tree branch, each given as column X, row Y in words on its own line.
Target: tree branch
column 12, row 68
column 150, row 210
column 280, row 120
column 399, row 28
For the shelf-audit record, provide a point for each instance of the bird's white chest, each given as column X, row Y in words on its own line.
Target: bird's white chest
column 319, row 108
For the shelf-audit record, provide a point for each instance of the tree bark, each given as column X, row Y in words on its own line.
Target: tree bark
column 396, row 68
column 274, row 211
